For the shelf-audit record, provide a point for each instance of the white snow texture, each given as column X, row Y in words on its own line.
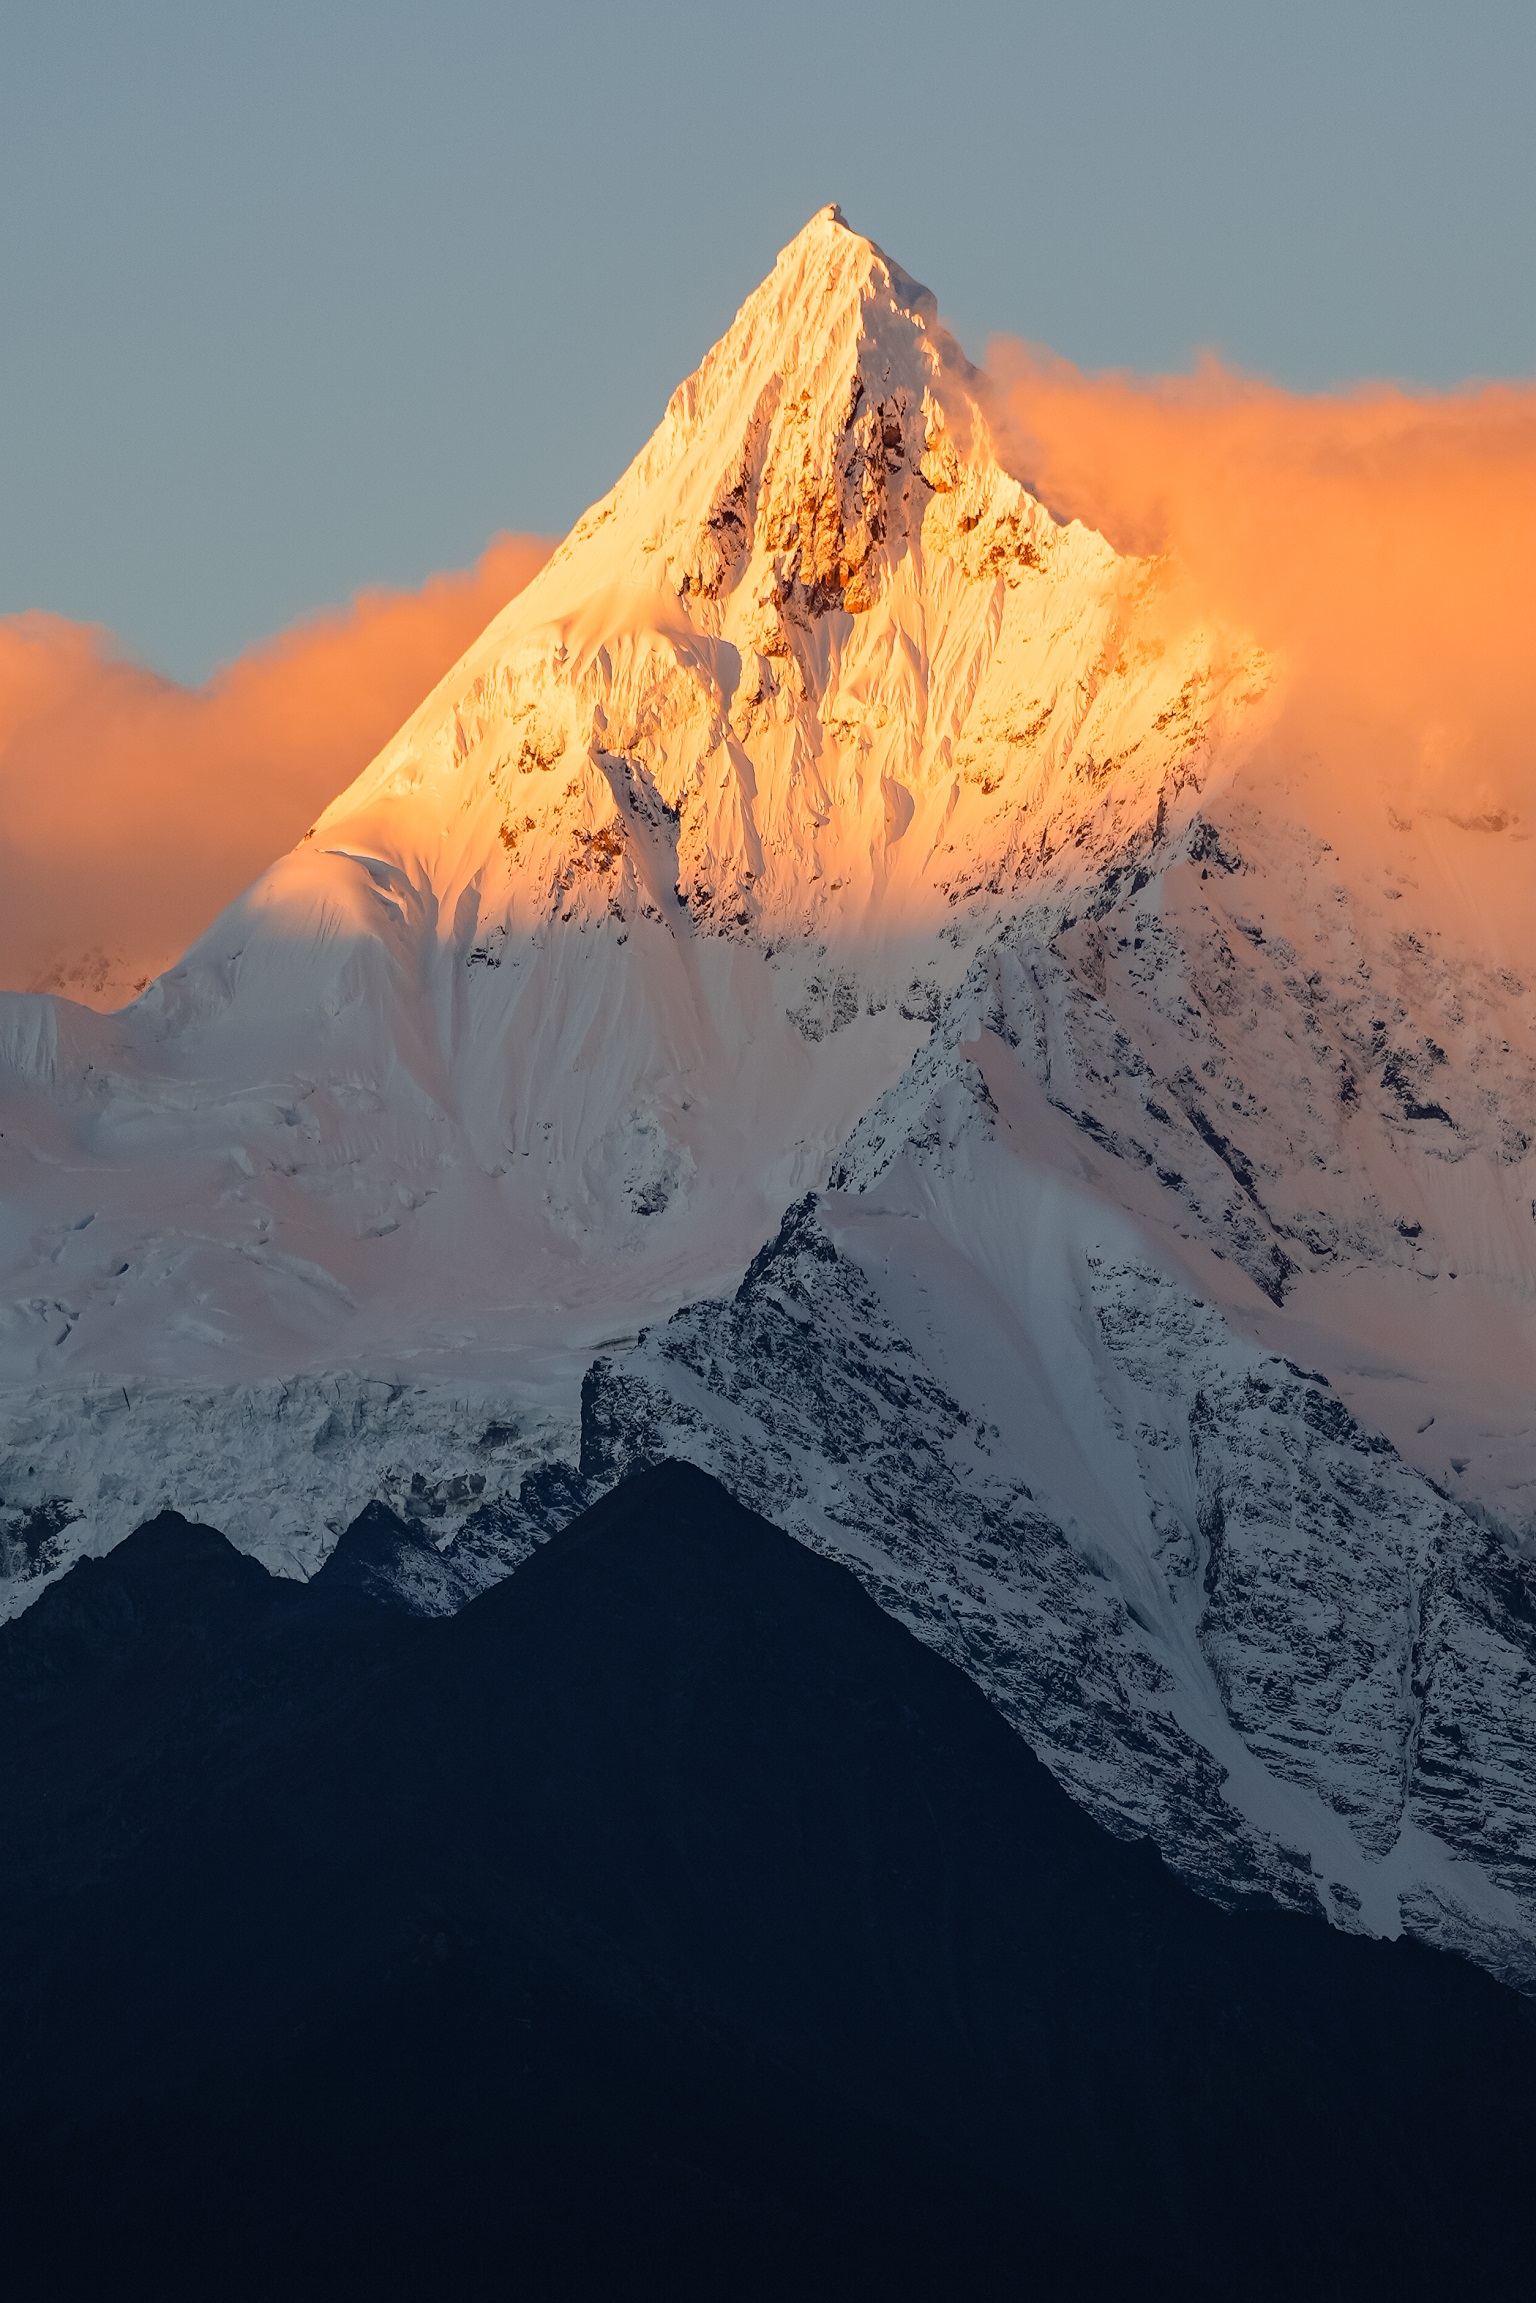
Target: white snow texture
column 832, row 850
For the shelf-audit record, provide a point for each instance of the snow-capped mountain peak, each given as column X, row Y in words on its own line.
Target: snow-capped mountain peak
column 831, row 849
column 799, row 626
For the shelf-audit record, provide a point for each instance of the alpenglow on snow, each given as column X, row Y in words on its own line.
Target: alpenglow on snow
column 839, row 984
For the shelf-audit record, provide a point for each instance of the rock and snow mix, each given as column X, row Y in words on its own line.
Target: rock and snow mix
column 829, row 829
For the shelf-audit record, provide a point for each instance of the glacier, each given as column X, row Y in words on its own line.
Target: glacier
column 846, row 983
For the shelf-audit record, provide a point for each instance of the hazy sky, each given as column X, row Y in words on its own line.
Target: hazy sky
column 295, row 298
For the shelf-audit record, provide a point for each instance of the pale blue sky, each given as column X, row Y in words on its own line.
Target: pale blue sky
column 302, row 296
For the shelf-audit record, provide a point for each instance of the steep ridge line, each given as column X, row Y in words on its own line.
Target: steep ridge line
column 828, row 819
column 669, row 1918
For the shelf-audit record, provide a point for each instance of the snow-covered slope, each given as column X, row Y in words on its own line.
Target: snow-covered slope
column 828, row 829
column 589, row 975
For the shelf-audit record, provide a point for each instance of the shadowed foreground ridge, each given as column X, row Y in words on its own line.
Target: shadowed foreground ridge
column 668, row 1921
column 836, row 869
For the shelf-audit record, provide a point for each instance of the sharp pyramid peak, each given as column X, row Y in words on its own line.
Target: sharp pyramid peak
column 820, row 501
column 832, row 301
column 837, row 336
column 831, row 261
column 827, row 451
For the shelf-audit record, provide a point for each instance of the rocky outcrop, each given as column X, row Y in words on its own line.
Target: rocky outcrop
column 828, row 819
column 1313, row 1677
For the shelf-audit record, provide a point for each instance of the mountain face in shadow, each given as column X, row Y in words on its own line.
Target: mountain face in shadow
column 856, row 982
column 669, row 1921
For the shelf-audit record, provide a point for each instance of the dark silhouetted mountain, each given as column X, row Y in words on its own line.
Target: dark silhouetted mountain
column 395, row 1562
column 669, row 1921
column 860, row 983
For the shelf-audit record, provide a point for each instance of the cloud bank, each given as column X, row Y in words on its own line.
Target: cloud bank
column 132, row 810
column 1381, row 543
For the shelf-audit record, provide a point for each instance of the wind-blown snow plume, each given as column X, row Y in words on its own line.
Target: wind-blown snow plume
column 1379, row 540
column 132, row 809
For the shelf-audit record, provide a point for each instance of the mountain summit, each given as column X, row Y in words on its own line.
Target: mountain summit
column 810, row 668
column 840, row 984
column 818, row 685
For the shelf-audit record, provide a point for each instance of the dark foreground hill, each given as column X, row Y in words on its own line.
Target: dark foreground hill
column 670, row 1922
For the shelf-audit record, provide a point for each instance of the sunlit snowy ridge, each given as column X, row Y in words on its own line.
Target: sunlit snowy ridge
column 840, row 982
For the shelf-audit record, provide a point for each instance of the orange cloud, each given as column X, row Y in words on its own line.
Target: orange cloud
column 132, row 810
column 1381, row 542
